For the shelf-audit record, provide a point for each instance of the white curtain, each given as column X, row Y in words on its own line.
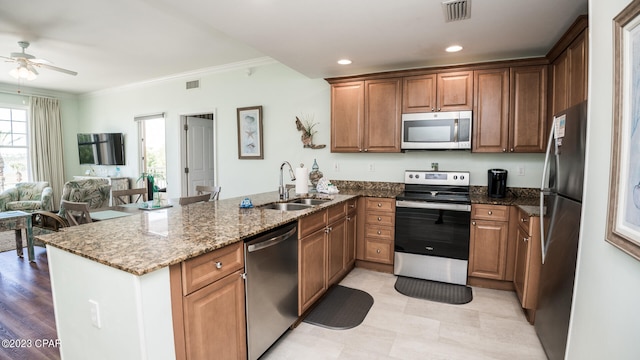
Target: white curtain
column 46, row 145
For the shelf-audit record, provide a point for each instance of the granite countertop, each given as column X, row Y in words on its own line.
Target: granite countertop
column 527, row 199
column 149, row 240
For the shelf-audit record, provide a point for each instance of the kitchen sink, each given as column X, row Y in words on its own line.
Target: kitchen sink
column 290, row 206
column 309, row 201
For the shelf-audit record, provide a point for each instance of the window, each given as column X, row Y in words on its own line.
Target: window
column 153, row 158
column 14, row 157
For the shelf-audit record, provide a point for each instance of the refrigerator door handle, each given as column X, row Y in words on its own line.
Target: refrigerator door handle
column 543, row 188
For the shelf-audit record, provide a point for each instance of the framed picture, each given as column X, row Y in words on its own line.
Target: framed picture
column 623, row 225
column 250, row 133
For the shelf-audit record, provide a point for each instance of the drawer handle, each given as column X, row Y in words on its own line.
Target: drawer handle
column 429, row 248
column 379, row 218
column 524, row 220
column 378, row 251
column 379, row 205
column 490, row 212
column 348, row 218
column 218, row 265
column 379, row 232
column 525, row 239
column 473, row 223
column 352, row 206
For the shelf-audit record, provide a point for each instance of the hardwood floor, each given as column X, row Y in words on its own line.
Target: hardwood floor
column 27, row 322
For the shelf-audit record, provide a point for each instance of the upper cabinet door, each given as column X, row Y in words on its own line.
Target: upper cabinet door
column 455, row 91
column 419, row 93
column 578, row 70
column 528, row 109
column 383, row 99
column 491, row 110
column 347, row 116
column 559, row 79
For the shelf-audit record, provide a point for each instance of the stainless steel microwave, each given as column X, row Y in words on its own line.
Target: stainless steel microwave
column 436, row 130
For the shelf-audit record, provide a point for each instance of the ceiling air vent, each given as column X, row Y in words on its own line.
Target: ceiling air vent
column 193, row 84
column 455, row 10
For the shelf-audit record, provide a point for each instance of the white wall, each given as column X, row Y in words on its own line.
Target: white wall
column 284, row 94
column 606, row 314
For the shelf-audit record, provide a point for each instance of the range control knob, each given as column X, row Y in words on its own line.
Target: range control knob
column 455, row 177
column 461, row 177
column 410, row 176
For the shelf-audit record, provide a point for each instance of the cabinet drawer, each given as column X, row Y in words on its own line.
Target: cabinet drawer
column 312, row 223
column 205, row 269
column 381, row 219
column 380, row 204
column 524, row 221
column 490, row 212
column 336, row 212
column 352, row 205
column 380, row 251
column 380, row 232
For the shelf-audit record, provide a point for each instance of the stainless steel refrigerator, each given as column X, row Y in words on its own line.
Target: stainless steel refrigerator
column 560, row 211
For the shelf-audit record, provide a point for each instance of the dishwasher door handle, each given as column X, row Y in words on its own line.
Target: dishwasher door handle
column 271, row 242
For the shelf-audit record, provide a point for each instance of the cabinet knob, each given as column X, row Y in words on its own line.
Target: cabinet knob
column 378, row 251
column 218, row 265
column 511, row 150
column 348, row 218
column 439, row 109
column 365, row 150
column 504, row 150
column 524, row 220
column 379, row 204
column 379, row 232
column 490, row 212
column 433, row 109
column 473, row 223
column 379, row 218
column 525, row 239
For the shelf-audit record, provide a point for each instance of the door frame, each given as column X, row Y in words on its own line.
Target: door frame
column 183, row 148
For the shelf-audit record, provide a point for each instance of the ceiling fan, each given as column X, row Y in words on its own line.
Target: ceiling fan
column 27, row 64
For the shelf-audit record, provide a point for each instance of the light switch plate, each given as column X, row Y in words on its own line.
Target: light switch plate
column 95, row 313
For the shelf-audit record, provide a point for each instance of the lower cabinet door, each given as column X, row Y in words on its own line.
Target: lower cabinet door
column 215, row 320
column 312, row 274
column 488, row 249
column 336, row 251
column 378, row 250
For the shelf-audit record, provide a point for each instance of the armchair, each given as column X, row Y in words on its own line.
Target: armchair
column 27, row 197
column 94, row 192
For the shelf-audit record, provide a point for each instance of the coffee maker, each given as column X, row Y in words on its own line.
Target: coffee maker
column 497, row 183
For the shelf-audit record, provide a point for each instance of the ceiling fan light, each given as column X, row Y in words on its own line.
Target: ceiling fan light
column 14, row 73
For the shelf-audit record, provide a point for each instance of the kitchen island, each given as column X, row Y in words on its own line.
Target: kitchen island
column 110, row 280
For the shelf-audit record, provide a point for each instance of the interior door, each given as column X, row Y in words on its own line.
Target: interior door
column 200, row 169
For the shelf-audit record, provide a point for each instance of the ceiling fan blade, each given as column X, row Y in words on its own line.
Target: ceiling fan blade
column 7, row 58
column 51, row 67
column 40, row 61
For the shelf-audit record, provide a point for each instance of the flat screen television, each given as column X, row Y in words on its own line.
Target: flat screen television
column 101, row 149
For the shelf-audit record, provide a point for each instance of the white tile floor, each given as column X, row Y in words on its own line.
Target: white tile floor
column 492, row 326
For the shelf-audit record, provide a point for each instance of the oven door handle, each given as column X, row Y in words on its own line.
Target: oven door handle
column 432, row 205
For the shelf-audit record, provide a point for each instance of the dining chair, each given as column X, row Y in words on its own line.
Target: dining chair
column 213, row 190
column 129, row 196
column 186, row 200
column 76, row 213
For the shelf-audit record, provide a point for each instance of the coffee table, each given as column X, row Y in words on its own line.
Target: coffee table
column 18, row 220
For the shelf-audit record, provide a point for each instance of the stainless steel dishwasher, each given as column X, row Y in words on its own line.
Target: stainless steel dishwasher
column 271, row 266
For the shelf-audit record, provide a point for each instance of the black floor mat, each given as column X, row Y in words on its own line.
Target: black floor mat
column 434, row 290
column 341, row 308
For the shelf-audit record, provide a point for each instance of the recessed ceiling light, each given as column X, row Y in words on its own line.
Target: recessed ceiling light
column 454, row 48
column 344, row 61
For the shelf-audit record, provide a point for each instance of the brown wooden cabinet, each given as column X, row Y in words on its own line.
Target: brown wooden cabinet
column 365, row 116
column 352, row 231
column 325, row 251
column 510, row 109
column 376, row 238
column 490, row 110
column 489, row 241
column 208, row 305
column 446, row 91
column 569, row 77
column 528, row 261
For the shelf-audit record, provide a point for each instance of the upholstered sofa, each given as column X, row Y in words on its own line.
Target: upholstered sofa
column 27, row 197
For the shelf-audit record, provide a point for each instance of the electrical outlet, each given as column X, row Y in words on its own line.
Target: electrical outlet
column 520, row 170
column 336, row 167
column 372, row 167
column 95, row 313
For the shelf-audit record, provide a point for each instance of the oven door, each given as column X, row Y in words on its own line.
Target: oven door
column 435, row 229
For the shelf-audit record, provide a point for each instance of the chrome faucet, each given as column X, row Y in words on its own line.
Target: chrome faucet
column 282, row 190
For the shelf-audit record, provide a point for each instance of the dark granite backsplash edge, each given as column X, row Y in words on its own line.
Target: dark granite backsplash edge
column 515, row 192
column 368, row 185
